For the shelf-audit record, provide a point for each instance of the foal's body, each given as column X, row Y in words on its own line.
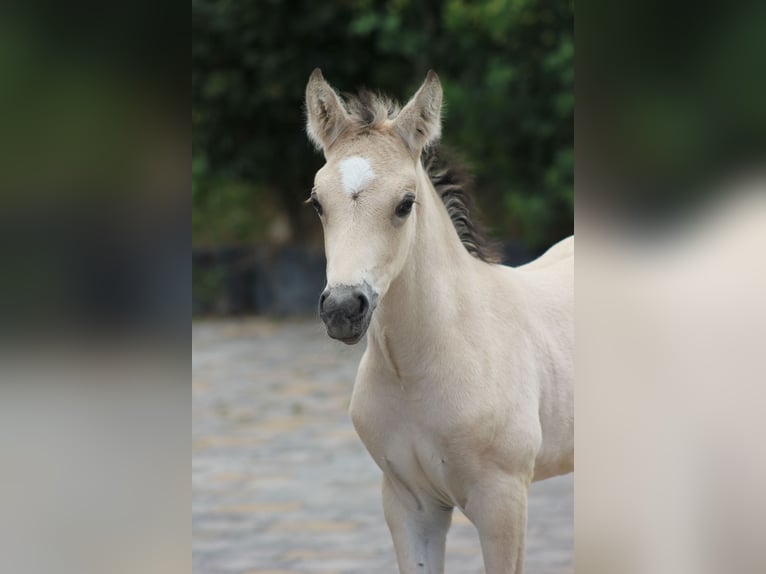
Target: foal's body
column 464, row 394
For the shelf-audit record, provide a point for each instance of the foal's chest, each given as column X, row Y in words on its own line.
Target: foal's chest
column 409, row 439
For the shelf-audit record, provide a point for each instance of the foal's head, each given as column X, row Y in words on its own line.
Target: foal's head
column 366, row 193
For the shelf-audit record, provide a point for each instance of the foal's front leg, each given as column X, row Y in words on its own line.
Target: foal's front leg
column 418, row 528
column 498, row 509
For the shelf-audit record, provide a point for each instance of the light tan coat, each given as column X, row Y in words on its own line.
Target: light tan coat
column 465, row 392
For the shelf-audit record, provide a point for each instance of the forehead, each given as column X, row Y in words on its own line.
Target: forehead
column 368, row 162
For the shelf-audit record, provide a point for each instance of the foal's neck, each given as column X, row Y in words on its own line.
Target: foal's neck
column 430, row 293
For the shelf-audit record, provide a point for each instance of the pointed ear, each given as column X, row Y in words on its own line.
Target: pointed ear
column 419, row 123
column 326, row 118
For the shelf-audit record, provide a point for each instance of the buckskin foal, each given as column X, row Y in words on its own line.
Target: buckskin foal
column 465, row 392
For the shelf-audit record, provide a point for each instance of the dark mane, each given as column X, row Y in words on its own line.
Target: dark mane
column 453, row 182
column 369, row 110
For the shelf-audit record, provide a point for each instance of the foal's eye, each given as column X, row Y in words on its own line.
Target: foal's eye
column 404, row 208
column 317, row 206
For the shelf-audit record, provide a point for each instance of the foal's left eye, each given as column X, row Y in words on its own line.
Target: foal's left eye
column 405, row 207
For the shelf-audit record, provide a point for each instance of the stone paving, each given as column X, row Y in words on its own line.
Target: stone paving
column 281, row 483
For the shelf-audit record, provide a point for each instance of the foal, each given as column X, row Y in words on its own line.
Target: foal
column 465, row 392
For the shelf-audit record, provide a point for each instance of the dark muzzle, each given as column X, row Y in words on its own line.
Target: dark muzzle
column 346, row 311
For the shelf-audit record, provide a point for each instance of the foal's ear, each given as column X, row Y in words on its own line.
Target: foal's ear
column 326, row 118
column 419, row 123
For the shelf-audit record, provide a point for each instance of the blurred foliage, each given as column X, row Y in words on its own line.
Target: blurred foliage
column 507, row 70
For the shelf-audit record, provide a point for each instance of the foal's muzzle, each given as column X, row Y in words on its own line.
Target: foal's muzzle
column 346, row 311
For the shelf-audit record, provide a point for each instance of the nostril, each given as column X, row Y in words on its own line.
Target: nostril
column 322, row 299
column 363, row 303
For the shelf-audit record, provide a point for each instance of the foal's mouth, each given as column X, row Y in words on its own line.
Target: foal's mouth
column 345, row 331
column 350, row 340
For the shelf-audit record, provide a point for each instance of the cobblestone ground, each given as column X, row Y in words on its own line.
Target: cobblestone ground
column 282, row 485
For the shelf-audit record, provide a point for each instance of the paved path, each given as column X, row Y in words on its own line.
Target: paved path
column 282, row 485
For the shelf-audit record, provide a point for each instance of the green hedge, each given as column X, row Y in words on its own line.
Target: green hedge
column 507, row 70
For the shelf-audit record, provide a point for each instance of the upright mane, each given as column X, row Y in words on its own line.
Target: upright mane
column 369, row 110
column 453, row 182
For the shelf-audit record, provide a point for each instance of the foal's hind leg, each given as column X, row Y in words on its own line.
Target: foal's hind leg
column 418, row 528
column 498, row 509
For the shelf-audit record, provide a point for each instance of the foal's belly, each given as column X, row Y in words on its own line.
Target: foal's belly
column 548, row 468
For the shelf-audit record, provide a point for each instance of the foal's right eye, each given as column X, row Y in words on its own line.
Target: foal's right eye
column 317, row 206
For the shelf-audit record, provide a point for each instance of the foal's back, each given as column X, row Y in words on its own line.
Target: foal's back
column 558, row 253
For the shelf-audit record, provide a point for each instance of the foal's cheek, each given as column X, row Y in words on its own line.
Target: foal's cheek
column 398, row 255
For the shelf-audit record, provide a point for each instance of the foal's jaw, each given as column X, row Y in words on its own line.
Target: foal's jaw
column 347, row 311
